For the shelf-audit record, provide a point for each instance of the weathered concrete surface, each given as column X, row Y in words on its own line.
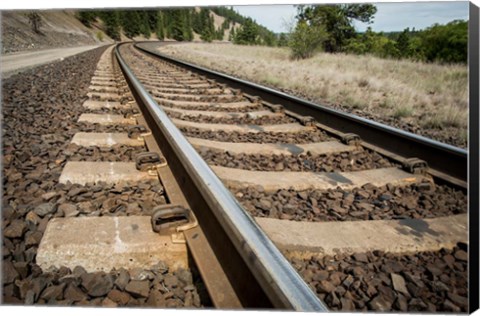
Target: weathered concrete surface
column 193, row 97
column 106, row 119
column 106, row 88
column 154, row 87
column 104, row 96
column 104, row 243
column 83, row 172
column 18, row 62
column 232, row 105
column 104, row 78
column 97, row 105
column 181, row 85
column 272, row 149
column 217, row 114
column 105, row 140
column 272, row 181
column 104, row 72
column 301, row 239
column 104, row 83
column 278, row 128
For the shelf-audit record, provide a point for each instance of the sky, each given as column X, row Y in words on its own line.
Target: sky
column 389, row 16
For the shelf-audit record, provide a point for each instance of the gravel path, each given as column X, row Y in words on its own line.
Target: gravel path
column 17, row 62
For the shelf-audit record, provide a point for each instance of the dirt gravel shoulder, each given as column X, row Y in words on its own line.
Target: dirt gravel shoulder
column 19, row 62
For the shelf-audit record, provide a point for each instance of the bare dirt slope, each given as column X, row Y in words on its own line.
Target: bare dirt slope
column 217, row 22
column 58, row 29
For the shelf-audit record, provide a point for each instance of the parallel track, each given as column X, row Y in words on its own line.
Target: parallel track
column 199, row 105
column 447, row 163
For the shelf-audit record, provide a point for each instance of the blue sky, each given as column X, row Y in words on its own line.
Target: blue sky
column 389, row 16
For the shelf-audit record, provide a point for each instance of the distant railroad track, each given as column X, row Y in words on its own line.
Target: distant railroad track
column 273, row 208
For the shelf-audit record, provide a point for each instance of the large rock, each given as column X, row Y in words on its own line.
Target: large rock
column 171, row 281
column 461, row 255
column 53, row 292
column 75, row 294
column 121, row 298
column 399, row 284
column 33, row 239
column 97, row 284
column 9, row 273
column 184, row 276
column 122, row 279
column 68, row 209
column 381, row 303
column 44, row 209
column 138, row 288
column 325, row 287
column 15, row 229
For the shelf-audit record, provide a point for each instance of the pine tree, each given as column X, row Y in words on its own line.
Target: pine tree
column 247, row 33
column 177, row 25
column 187, row 28
column 111, row 19
column 160, row 28
column 131, row 22
column 231, row 37
column 87, row 17
column 144, row 24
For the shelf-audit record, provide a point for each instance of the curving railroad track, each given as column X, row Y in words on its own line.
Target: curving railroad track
column 251, row 204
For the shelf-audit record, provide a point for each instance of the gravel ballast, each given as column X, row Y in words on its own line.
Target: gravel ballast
column 366, row 203
column 383, row 282
column 40, row 112
column 265, row 120
column 346, row 161
column 315, row 136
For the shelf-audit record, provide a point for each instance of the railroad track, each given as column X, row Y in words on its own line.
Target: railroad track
column 242, row 193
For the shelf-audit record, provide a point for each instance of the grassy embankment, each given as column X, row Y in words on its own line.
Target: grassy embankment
column 428, row 99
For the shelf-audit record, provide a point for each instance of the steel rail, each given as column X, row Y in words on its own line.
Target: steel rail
column 448, row 163
column 278, row 279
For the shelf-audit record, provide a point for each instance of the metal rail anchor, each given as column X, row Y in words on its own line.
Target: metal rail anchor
column 132, row 114
column 351, row 139
column 150, row 162
column 173, row 220
column 415, row 166
column 418, row 166
column 307, row 120
column 138, row 132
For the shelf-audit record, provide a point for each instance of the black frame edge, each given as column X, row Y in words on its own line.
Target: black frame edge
column 473, row 192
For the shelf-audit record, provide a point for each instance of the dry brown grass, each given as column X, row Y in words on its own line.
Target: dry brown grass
column 428, row 95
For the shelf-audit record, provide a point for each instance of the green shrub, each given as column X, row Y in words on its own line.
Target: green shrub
column 306, row 40
column 100, row 36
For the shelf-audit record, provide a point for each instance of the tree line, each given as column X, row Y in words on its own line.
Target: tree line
column 179, row 24
column 329, row 28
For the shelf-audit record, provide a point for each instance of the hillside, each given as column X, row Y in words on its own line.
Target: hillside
column 218, row 21
column 58, row 29
column 68, row 28
column 181, row 24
